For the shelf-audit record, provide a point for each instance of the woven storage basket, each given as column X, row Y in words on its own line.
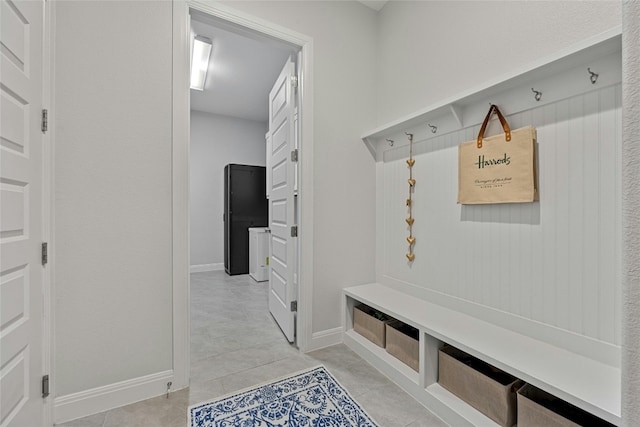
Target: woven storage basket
column 489, row 390
column 368, row 326
column 538, row 408
column 402, row 343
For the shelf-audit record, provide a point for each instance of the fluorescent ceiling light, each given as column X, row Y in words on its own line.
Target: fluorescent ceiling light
column 200, row 62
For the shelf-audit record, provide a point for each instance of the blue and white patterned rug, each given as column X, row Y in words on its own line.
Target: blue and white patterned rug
column 308, row 398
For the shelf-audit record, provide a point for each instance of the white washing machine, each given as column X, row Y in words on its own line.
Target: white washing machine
column 259, row 253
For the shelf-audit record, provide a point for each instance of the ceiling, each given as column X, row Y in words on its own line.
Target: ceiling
column 242, row 70
column 243, row 67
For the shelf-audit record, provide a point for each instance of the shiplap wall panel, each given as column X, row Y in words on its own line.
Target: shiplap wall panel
column 555, row 261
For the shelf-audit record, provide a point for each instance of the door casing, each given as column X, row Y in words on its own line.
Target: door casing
column 180, row 171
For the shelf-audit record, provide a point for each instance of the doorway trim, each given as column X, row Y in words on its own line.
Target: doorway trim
column 48, row 210
column 180, row 172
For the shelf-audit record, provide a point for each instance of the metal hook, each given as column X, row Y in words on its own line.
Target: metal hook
column 410, row 135
column 538, row 94
column 434, row 129
column 593, row 76
column 390, row 141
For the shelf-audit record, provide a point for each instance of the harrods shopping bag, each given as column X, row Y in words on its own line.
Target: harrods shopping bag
column 500, row 168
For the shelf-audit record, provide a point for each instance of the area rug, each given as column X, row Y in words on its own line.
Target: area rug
column 308, row 398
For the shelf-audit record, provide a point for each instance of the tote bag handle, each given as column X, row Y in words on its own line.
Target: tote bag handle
column 503, row 121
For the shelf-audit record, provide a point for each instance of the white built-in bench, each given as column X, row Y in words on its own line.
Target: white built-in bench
column 586, row 383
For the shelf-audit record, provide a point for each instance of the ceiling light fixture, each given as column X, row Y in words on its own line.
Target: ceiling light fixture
column 200, row 61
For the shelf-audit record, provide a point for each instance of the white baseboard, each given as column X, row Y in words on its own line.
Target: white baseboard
column 206, row 267
column 325, row 338
column 100, row 399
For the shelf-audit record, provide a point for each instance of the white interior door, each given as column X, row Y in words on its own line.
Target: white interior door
column 21, row 299
column 282, row 200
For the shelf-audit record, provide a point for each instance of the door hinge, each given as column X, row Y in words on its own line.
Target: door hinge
column 45, row 120
column 45, row 253
column 45, row 386
column 294, row 82
column 294, row 305
column 294, row 231
column 294, row 155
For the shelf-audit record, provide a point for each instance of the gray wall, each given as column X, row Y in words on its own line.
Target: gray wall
column 113, row 300
column 429, row 51
column 631, row 221
column 215, row 142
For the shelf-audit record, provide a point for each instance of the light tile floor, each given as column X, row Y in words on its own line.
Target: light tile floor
column 236, row 344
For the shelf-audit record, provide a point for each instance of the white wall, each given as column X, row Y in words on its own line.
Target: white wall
column 431, row 50
column 113, row 300
column 555, row 262
column 344, row 186
column 631, row 221
column 215, row 142
column 550, row 270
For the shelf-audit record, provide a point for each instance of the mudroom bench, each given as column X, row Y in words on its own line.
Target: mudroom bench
column 586, row 383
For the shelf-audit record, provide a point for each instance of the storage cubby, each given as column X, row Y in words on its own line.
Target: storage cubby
column 538, row 408
column 487, row 388
column 403, row 343
column 371, row 324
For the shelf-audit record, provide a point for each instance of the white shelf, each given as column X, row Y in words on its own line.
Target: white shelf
column 452, row 401
column 586, row 383
column 558, row 76
column 385, row 357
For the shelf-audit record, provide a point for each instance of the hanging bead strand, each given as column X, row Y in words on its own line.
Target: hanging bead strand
column 412, row 182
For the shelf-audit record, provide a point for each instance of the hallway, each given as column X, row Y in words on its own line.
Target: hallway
column 235, row 344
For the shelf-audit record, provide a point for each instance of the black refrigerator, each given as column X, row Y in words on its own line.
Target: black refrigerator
column 245, row 206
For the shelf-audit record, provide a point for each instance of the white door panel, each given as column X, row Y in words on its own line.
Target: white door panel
column 278, row 287
column 267, row 138
column 279, row 250
column 13, row 209
column 279, row 213
column 279, row 98
column 279, row 175
column 281, row 179
column 21, row 323
column 296, row 142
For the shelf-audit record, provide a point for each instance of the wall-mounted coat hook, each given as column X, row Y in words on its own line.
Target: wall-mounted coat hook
column 390, row 141
column 538, row 94
column 593, row 76
column 434, row 129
